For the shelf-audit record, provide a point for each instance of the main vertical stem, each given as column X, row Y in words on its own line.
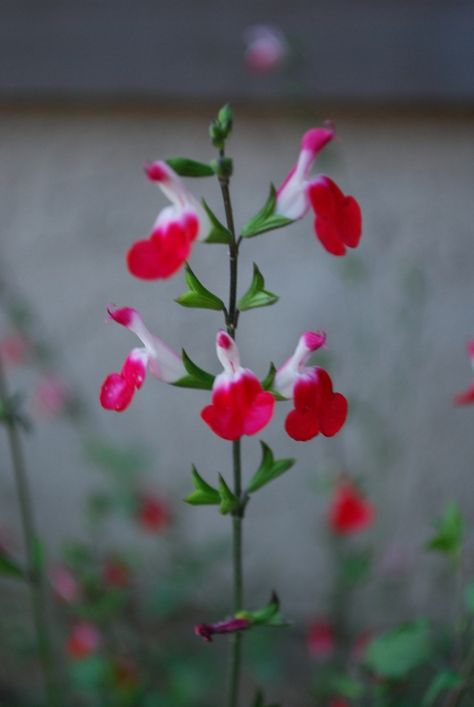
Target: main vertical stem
column 237, row 516
column 35, row 575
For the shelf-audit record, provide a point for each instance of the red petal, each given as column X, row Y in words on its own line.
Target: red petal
column 143, row 260
column 466, row 397
column 302, row 426
column 306, row 394
column 259, row 414
column 327, row 232
column 163, row 253
column 334, row 415
column 350, row 222
column 223, row 422
column 116, row 393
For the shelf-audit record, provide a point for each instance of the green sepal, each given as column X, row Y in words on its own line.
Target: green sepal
column 228, row 500
column 204, row 494
column 257, row 295
column 269, row 469
column 198, row 296
column 449, row 532
column 197, row 378
column 190, row 168
column 10, row 568
column 219, row 233
column 226, row 118
column 266, row 219
column 267, row 383
column 269, row 615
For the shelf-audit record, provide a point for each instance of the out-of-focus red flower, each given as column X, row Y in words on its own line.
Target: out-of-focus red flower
column 338, row 702
column 321, row 640
column 65, row 585
column 116, row 574
column 52, row 395
column 13, row 349
column 360, row 645
column 83, row 641
column 233, row 625
column 154, row 514
column 266, row 48
column 467, row 396
column 350, row 512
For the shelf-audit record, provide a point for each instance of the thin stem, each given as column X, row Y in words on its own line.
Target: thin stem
column 34, row 572
column 232, row 317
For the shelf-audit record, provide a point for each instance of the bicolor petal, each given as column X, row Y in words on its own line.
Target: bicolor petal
column 176, row 228
column 292, row 199
column 338, row 218
column 239, row 405
column 118, row 388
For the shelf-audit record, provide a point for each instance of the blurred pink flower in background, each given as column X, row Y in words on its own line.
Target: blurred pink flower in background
column 13, row 349
column 321, row 640
column 65, row 585
column 83, row 640
column 51, row 395
column 266, row 48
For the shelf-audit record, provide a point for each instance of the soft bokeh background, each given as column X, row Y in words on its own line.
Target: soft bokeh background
column 89, row 91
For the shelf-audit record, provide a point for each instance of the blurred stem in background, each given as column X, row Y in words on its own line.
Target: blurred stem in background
column 34, row 561
column 232, row 317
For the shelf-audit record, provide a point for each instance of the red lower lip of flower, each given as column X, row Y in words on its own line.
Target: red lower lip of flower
column 317, row 408
column 338, row 218
column 350, row 512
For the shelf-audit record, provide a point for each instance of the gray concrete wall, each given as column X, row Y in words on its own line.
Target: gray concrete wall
column 397, row 312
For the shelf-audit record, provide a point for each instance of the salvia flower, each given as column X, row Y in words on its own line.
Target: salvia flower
column 467, row 396
column 65, row 585
column 266, row 48
column 321, row 640
column 239, row 404
column 350, row 512
column 316, row 407
column 118, row 388
column 83, row 640
column 175, row 230
column 337, row 218
column 232, row 625
column 153, row 514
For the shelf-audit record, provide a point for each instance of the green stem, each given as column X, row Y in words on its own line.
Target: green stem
column 34, row 572
column 237, row 517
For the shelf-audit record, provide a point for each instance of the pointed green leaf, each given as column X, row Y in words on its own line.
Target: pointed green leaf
column 269, row 615
column 204, row 494
column 229, row 501
column 266, row 219
column 198, row 296
column 219, row 233
column 190, row 168
column 257, row 295
column 446, row 680
column 196, row 378
column 267, row 382
column 269, row 469
column 449, row 532
column 10, row 568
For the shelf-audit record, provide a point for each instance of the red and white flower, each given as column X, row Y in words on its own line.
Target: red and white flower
column 467, row 396
column 338, row 219
column 239, row 404
column 266, row 48
column 83, row 641
column 118, row 389
column 350, row 512
column 317, row 408
column 175, row 230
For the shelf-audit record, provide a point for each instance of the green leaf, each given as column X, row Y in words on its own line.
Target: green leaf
column 9, row 568
column 269, row 615
column 347, row 687
column 395, row 653
column 269, row 469
column 446, row 680
column 257, row 295
column 198, row 296
column 204, row 494
column 266, row 219
column 449, row 532
column 219, row 233
column 190, row 168
column 267, row 382
column 229, row 501
column 196, row 378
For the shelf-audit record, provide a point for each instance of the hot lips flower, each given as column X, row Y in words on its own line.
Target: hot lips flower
column 118, row 389
column 338, row 219
column 239, row 405
column 317, row 408
column 174, row 231
column 350, row 512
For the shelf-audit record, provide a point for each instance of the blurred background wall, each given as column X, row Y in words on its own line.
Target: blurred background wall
column 90, row 90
